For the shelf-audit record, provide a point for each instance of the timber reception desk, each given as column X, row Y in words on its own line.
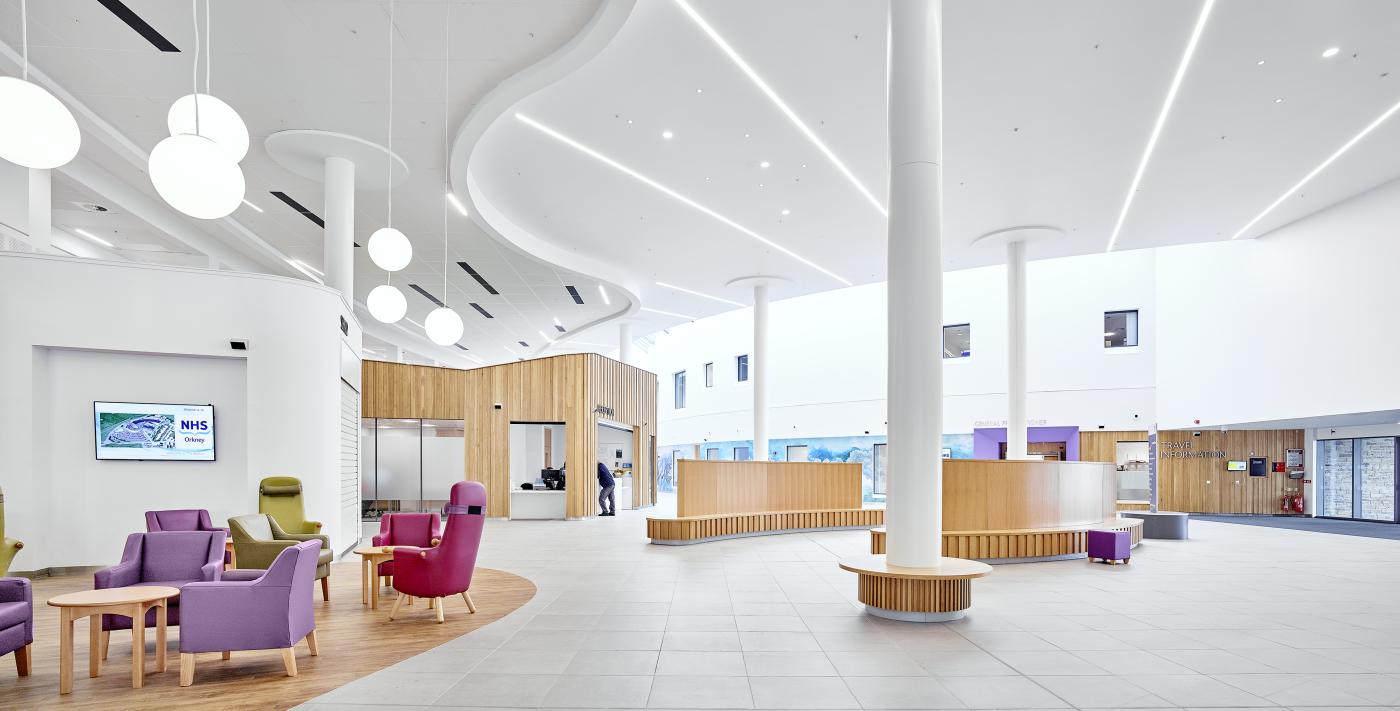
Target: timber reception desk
column 729, row 499
column 1014, row 511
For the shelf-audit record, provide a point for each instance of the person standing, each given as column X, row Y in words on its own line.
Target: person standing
column 607, row 502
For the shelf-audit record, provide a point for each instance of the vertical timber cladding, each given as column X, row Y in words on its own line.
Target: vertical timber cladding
column 574, row 389
column 1192, row 476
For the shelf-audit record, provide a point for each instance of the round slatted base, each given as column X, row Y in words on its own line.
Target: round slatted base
column 937, row 594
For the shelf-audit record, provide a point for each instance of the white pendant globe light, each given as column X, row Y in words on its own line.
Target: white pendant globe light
column 386, row 303
column 217, row 121
column 390, row 249
column 444, row 326
column 36, row 129
column 197, row 177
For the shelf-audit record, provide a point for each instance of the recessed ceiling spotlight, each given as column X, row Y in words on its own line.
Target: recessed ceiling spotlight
column 764, row 164
column 629, row 122
column 760, row 185
column 804, row 165
column 707, row 178
column 1259, row 63
column 667, row 135
column 1330, row 52
column 1278, row 100
column 786, row 212
column 699, row 91
column 746, row 135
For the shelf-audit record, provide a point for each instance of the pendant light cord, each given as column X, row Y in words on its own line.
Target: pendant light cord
column 208, row 49
column 194, row 8
column 446, row 152
column 389, row 159
column 24, row 34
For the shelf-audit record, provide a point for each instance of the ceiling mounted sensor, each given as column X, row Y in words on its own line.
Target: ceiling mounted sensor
column 36, row 129
column 443, row 325
column 190, row 170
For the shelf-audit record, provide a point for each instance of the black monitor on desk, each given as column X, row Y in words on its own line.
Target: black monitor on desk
column 553, row 478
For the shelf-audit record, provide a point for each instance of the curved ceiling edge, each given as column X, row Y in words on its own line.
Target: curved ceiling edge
column 601, row 29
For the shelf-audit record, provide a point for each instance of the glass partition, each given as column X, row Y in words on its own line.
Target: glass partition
column 408, row 464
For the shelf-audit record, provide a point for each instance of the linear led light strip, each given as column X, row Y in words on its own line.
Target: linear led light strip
column 692, row 292
column 679, row 197
column 1320, row 167
column 1161, row 120
column 667, row 313
column 778, row 102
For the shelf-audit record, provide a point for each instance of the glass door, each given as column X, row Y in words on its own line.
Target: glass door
column 1376, row 497
column 1334, row 485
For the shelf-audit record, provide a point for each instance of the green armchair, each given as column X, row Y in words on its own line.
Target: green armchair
column 280, row 498
column 8, row 546
column 257, row 539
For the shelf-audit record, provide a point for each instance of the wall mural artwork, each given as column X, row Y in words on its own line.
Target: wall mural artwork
column 812, row 449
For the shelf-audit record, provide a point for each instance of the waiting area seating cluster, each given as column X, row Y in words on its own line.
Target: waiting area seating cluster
column 246, row 587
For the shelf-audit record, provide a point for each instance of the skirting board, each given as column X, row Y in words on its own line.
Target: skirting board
column 751, row 534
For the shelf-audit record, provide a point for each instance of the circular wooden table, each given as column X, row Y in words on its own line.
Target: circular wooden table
column 937, row 594
column 132, row 602
column 370, row 558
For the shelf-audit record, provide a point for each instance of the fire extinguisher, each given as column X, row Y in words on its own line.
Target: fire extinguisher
column 1298, row 503
column 1285, row 503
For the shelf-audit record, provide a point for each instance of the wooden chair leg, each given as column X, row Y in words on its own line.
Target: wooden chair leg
column 289, row 660
column 432, row 602
column 325, row 591
column 22, row 660
column 187, row 668
column 397, row 601
column 106, row 637
column 471, row 607
column 438, row 600
column 311, row 643
column 227, row 656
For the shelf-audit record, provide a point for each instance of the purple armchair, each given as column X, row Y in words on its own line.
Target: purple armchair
column 184, row 520
column 16, row 621
column 164, row 558
column 423, row 530
column 271, row 610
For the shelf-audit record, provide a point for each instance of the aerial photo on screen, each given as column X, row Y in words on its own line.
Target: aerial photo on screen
column 124, row 429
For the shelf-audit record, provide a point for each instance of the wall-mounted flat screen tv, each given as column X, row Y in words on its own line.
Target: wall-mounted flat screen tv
column 153, row 431
column 1236, row 465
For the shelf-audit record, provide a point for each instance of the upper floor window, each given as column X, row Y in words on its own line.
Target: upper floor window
column 709, row 375
column 742, row 454
column 678, row 385
column 741, row 367
column 957, row 340
column 1120, row 329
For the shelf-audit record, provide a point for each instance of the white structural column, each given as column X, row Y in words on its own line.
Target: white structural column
column 339, row 255
column 624, row 342
column 1016, row 349
column 914, row 508
column 40, row 208
column 758, row 372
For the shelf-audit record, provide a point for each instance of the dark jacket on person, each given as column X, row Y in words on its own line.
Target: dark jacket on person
column 605, row 477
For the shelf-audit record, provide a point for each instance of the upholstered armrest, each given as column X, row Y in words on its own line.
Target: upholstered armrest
column 118, row 576
column 313, row 526
column 380, row 539
column 210, row 571
column 8, row 548
column 300, row 537
column 241, row 575
column 16, row 590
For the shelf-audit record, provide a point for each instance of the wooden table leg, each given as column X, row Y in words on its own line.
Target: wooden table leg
column 94, row 646
column 138, row 646
column 160, row 635
column 364, row 581
column 65, row 650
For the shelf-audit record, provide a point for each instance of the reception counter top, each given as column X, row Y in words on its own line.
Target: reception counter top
column 537, row 504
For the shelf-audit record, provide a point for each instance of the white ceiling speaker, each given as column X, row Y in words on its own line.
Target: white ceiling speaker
column 36, row 129
column 218, row 122
column 196, row 176
column 444, row 326
column 390, row 249
column 386, row 303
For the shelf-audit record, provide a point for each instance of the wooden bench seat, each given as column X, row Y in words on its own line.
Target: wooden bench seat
column 1021, row 544
column 684, row 530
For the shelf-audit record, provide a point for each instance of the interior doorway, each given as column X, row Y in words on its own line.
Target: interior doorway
column 1048, row 451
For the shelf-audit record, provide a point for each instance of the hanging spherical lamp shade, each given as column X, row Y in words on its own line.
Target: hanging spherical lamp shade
column 390, row 249
column 196, row 176
column 36, row 129
column 444, row 326
column 218, row 122
column 386, row 303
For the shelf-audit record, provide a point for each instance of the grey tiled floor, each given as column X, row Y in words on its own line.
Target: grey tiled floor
column 1237, row 617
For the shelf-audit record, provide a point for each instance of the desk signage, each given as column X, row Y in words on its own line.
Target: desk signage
column 1184, row 450
column 603, row 410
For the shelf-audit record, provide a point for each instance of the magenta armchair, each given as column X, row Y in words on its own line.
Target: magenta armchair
column 16, row 621
column 446, row 570
column 270, row 610
column 170, row 558
column 184, row 520
column 423, row 530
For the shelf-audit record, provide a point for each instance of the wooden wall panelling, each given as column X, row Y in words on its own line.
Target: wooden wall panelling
column 410, row 391
column 706, row 487
column 1102, row 445
column 980, row 495
column 1200, row 484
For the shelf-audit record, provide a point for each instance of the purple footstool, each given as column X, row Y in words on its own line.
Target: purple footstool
column 1110, row 546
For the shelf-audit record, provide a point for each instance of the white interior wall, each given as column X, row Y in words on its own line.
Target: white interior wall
column 292, row 392
column 609, row 441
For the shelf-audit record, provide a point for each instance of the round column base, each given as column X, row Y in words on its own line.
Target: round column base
column 935, row 594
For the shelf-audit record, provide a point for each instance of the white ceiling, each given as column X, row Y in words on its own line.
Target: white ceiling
column 320, row 64
column 1047, row 110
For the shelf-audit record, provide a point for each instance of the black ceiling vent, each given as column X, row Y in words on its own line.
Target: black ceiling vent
column 479, row 279
column 482, row 311
column 523, row 344
column 143, row 28
column 300, row 208
column 559, row 328
column 574, row 293
column 462, row 347
column 425, row 294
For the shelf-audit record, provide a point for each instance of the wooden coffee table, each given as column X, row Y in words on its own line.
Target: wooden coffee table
column 370, row 558
column 132, row 602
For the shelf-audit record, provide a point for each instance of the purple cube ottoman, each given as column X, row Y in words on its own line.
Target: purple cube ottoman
column 1109, row 546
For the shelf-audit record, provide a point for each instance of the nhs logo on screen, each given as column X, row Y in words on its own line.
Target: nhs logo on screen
column 199, row 425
